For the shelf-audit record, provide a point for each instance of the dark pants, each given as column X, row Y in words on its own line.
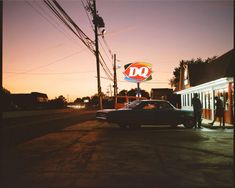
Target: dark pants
column 221, row 120
column 197, row 119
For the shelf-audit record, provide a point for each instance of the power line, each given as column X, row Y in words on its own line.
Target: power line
column 107, row 46
column 86, row 8
column 89, row 19
column 58, row 11
column 60, row 17
column 105, row 52
column 42, row 13
column 109, row 72
column 103, row 64
column 67, row 20
column 53, row 62
column 47, row 73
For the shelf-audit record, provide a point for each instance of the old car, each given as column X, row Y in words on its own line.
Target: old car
column 147, row 112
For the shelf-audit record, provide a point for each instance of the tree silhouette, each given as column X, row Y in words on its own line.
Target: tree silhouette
column 133, row 92
column 59, row 102
column 86, row 99
column 78, row 101
column 94, row 100
column 6, row 103
column 5, row 91
column 174, row 81
column 144, row 93
column 123, row 92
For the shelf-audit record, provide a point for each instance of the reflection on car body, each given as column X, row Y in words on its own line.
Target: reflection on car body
column 147, row 112
column 122, row 101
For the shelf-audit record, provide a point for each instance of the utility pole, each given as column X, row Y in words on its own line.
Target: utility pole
column 138, row 90
column 115, row 80
column 95, row 21
column 1, row 87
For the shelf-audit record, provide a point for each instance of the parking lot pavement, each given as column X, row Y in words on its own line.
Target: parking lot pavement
column 94, row 154
column 205, row 123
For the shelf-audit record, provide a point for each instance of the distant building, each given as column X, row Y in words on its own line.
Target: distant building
column 28, row 101
column 209, row 80
column 165, row 94
column 161, row 93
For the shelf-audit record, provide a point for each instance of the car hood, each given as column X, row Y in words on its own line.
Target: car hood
column 105, row 114
column 186, row 112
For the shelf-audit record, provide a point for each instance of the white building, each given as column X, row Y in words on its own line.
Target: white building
column 209, row 80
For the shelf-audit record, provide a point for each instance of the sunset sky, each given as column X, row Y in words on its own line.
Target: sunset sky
column 40, row 54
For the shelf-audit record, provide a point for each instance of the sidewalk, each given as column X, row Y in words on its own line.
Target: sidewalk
column 205, row 123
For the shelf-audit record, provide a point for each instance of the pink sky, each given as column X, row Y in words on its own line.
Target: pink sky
column 40, row 54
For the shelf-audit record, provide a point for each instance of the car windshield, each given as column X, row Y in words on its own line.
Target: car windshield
column 150, row 105
column 165, row 106
column 133, row 104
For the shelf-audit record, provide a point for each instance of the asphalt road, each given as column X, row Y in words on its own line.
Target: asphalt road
column 17, row 129
column 96, row 154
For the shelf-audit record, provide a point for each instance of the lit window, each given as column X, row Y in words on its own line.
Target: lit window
column 186, row 76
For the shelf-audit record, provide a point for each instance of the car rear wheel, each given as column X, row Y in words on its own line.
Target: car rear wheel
column 189, row 123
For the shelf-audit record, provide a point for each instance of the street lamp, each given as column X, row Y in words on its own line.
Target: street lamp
column 102, row 33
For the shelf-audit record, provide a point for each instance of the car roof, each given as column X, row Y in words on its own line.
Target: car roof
column 154, row 100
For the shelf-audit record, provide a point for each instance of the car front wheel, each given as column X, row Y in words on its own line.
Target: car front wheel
column 189, row 123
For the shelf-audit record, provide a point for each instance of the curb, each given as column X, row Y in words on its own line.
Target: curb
column 216, row 126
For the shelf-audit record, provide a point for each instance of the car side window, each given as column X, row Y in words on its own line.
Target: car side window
column 165, row 106
column 149, row 106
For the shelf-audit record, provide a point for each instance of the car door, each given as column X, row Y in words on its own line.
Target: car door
column 165, row 114
column 145, row 113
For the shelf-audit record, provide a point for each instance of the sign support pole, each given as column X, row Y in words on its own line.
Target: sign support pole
column 138, row 90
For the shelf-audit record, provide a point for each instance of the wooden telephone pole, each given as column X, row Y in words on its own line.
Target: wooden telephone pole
column 115, row 80
column 97, row 24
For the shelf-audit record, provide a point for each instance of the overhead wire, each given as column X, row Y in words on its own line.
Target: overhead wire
column 40, row 11
column 105, row 52
column 83, row 37
column 65, row 18
column 107, row 69
column 107, row 46
column 48, row 73
column 109, row 50
column 62, row 19
column 51, row 63
column 56, row 27
column 89, row 19
column 109, row 74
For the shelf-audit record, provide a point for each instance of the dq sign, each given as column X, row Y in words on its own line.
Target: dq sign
column 138, row 72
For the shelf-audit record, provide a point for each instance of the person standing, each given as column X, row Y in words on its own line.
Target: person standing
column 197, row 110
column 219, row 112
